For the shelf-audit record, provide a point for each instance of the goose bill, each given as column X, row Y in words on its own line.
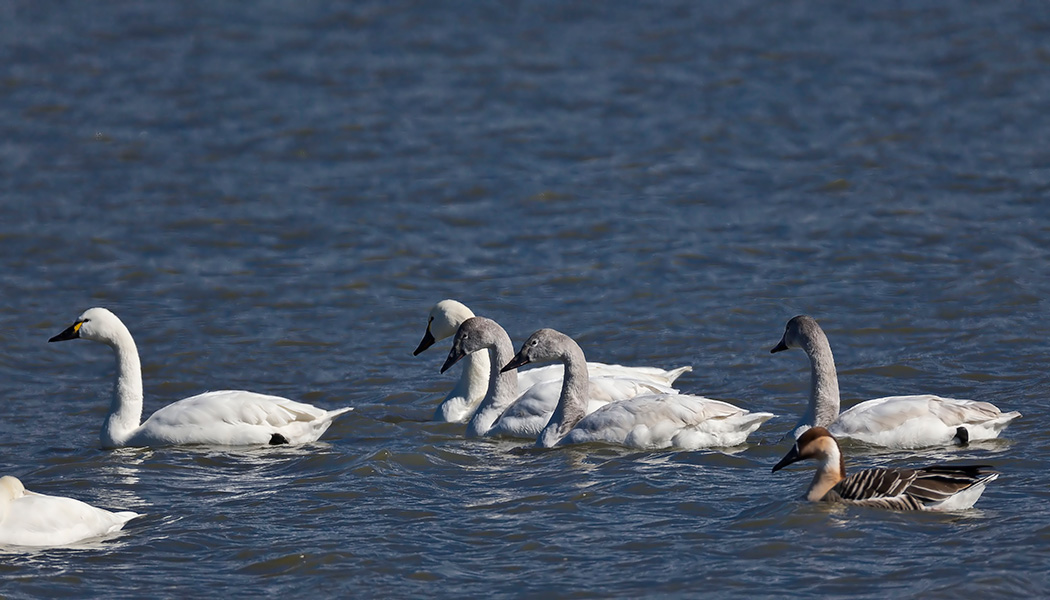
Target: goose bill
column 791, row 457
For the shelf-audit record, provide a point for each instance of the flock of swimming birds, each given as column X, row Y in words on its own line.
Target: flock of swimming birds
column 582, row 402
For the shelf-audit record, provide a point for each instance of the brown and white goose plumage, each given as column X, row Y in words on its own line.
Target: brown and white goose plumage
column 937, row 487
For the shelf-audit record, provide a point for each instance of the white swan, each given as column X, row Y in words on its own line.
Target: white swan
column 646, row 422
column 223, row 418
column 39, row 520
column 939, row 487
column 895, row 421
column 463, row 400
column 504, row 412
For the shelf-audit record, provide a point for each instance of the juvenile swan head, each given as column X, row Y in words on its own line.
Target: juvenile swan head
column 476, row 333
column 543, row 346
column 799, row 332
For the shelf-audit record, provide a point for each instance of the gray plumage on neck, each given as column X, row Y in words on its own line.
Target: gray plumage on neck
column 804, row 332
column 481, row 334
column 549, row 345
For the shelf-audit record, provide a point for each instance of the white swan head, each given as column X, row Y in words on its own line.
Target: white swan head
column 97, row 324
column 800, row 332
column 476, row 333
column 10, row 489
column 543, row 346
column 445, row 318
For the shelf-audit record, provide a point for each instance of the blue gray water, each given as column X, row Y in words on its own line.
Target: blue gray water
column 272, row 195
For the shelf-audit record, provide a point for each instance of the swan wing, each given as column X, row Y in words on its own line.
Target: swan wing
column 920, row 420
column 664, row 420
column 530, row 377
column 235, row 417
column 529, row 414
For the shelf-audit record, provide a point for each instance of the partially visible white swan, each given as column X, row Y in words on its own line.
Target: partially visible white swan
column 646, row 422
column 39, row 520
column 463, row 400
column 504, row 411
column 893, row 422
column 222, row 418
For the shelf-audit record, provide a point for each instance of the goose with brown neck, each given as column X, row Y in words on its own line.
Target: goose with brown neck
column 650, row 421
column 939, row 487
column 896, row 421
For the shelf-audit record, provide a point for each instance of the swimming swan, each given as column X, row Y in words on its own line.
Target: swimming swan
column 222, row 418
column 30, row 519
column 463, row 400
column 893, row 422
column 939, row 487
column 504, row 412
column 646, row 422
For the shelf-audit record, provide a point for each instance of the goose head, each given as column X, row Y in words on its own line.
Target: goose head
column 543, row 346
column 817, row 443
column 799, row 332
column 476, row 333
column 445, row 318
column 97, row 324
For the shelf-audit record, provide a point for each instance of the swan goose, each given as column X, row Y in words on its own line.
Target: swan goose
column 939, row 487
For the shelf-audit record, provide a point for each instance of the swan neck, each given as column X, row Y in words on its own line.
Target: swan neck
column 572, row 404
column 824, row 383
column 125, row 410
column 473, row 383
column 502, row 387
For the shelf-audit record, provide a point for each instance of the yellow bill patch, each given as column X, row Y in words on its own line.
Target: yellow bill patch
column 76, row 326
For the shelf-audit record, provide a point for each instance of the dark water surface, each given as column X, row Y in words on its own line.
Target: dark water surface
column 271, row 195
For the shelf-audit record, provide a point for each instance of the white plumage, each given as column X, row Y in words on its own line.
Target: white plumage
column 463, row 400
column 504, row 411
column 39, row 520
column 221, row 418
column 649, row 421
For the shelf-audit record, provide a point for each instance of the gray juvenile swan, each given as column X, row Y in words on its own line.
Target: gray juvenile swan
column 463, row 400
column 940, row 487
column 39, row 520
column 650, row 421
column 222, row 418
column 506, row 411
column 893, row 422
